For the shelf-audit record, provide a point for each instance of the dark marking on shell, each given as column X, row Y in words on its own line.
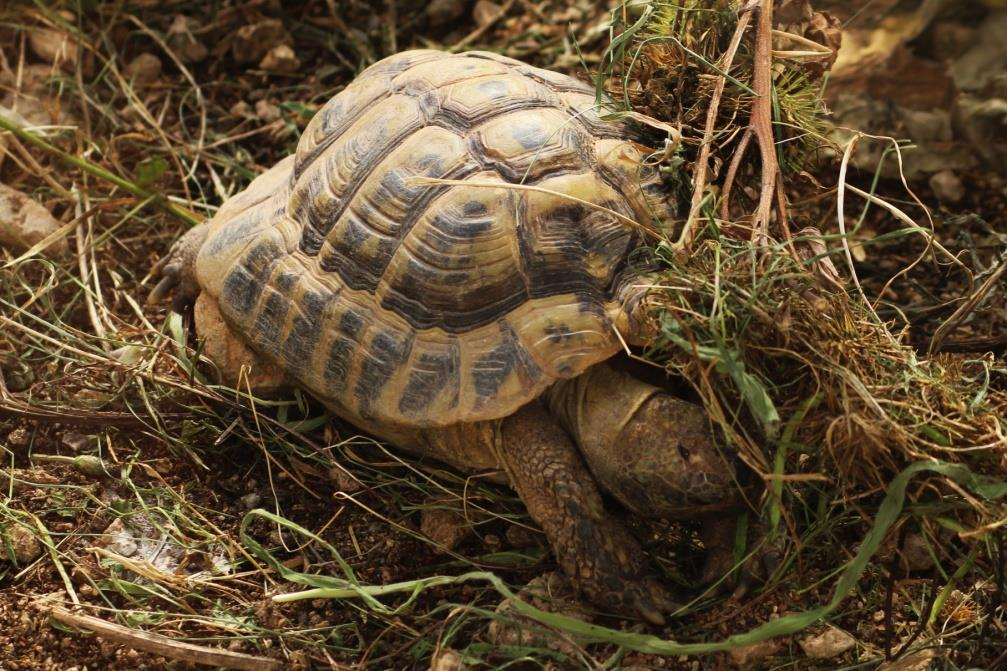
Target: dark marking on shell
column 269, row 322
column 241, row 291
column 559, row 334
column 351, row 324
column 337, row 368
column 388, row 351
column 286, row 281
column 432, row 375
column 474, row 208
column 490, row 371
column 305, row 331
column 246, row 281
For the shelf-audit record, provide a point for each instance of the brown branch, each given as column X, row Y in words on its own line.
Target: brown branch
column 732, row 172
column 158, row 644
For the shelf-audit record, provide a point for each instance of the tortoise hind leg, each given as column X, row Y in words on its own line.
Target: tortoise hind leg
column 602, row 559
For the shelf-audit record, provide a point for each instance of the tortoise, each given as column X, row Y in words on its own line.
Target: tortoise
column 447, row 262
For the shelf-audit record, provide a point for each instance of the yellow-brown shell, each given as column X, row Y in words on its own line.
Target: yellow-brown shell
column 418, row 305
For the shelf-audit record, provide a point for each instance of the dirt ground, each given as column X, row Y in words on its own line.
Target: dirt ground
column 131, row 483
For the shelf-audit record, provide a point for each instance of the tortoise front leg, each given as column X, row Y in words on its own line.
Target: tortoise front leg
column 602, row 559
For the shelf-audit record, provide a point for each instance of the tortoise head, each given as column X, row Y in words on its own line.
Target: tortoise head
column 652, row 451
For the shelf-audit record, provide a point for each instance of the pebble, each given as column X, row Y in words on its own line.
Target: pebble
column 24, row 223
column 828, row 644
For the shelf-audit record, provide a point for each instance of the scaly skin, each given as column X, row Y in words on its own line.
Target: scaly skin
column 602, row 559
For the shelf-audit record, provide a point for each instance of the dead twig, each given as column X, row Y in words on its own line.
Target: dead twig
column 157, row 644
column 732, row 172
column 762, row 123
column 966, row 308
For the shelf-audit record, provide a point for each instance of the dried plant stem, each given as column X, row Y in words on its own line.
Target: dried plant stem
column 699, row 181
column 732, row 172
column 966, row 308
column 83, row 240
column 762, row 123
column 158, row 644
column 841, row 222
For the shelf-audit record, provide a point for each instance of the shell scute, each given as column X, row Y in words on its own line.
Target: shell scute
column 387, row 204
column 455, row 268
column 469, row 102
column 438, row 73
column 529, row 144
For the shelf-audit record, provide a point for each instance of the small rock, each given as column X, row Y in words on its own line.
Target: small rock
column 30, row 99
column 830, row 643
column 254, row 41
column 447, row 660
column 947, row 186
column 183, row 42
column 25, row 545
column 24, row 223
column 241, row 109
column 144, row 70
column 266, row 111
column 748, row 655
column 18, row 437
column 280, row 58
column 486, row 12
column 446, row 528
column 118, row 539
column 251, row 500
column 78, row 442
column 54, row 47
column 441, row 12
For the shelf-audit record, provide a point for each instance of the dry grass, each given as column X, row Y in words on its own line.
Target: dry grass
column 863, row 444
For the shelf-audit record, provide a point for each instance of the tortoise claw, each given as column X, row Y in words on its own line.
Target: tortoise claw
column 176, row 271
column 170, row 278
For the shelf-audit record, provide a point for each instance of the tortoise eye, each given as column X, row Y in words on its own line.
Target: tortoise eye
column 684, row 451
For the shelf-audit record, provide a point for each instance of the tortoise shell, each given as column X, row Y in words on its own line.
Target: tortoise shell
column 404, row 303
